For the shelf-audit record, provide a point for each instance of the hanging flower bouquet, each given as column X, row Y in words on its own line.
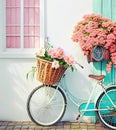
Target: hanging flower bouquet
column 95, row 30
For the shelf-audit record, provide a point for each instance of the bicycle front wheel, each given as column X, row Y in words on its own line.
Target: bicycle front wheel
column 106, row 105
column 46, row 105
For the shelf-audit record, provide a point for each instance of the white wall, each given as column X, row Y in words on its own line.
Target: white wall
column 14, row 88
column 62, row 15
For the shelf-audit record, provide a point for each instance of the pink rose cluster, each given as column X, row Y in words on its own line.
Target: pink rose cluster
column 58, row 53
column 96, row 30
column 57, row 56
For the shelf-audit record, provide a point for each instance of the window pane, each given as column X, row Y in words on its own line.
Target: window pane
column 31, row 23
column 11, row 42
column 12, row 30
column 31, row 30
column 32, row 2
column 31, row 42
column 12, row 23
column 30, row 27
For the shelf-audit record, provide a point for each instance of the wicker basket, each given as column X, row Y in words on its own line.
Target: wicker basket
column 46, row 74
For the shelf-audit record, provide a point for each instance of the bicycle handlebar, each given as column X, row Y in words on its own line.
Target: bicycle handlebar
column 79, row 65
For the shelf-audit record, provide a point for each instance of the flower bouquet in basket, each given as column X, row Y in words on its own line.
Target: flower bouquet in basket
column 95, row 34
column 51, row 64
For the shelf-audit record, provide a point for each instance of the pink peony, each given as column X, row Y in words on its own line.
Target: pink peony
column 56, row 56
column 55, row 64
column 50, row 51
column 60, row 53
column 113, row 58
column 94, row 30
column 56, row 53
column 69, row 60
column 112, row 48
column 41, row 52
column 108, row 67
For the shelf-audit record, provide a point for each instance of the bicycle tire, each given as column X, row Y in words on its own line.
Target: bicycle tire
column 108, row 115
column 41, row 110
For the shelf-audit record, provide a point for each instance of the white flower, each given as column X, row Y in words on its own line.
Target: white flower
column 55, row 64
column 41, row 52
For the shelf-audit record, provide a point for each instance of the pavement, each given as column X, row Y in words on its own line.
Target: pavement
column 28, row 125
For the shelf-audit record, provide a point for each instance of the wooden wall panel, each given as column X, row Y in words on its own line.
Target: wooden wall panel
column 106, row 8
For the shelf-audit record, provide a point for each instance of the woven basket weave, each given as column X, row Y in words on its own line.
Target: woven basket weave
column 46, row 74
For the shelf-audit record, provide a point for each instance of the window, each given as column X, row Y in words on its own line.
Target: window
column 22, row 28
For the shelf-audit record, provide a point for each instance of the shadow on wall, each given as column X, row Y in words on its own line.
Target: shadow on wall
column 14, row 89
column 80, row 86
column 78, row 83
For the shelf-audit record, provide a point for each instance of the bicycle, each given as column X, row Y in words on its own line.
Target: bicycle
column 46, row 105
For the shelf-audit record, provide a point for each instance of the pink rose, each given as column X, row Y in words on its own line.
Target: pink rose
column 69, row 60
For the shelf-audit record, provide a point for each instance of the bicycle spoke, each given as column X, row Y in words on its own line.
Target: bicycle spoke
column 106, row 108
column 46, row 105
column 108, row 115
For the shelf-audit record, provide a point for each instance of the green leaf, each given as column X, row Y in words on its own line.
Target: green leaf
column 48, row 46
column 72, row 68
column 66, row 65
column 32, row 71
column 61, row 62
column 27, row 75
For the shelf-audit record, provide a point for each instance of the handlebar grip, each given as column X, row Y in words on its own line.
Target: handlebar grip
column 80, row 65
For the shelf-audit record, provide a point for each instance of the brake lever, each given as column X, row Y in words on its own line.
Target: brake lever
column 80, row 65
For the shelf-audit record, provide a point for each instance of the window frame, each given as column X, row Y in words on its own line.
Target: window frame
column 22, row 52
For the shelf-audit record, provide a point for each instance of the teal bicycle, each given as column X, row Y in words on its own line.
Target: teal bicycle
column 46, row 105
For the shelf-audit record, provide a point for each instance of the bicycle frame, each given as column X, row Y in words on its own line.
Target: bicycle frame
column 73, row 99
column 52, row 108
